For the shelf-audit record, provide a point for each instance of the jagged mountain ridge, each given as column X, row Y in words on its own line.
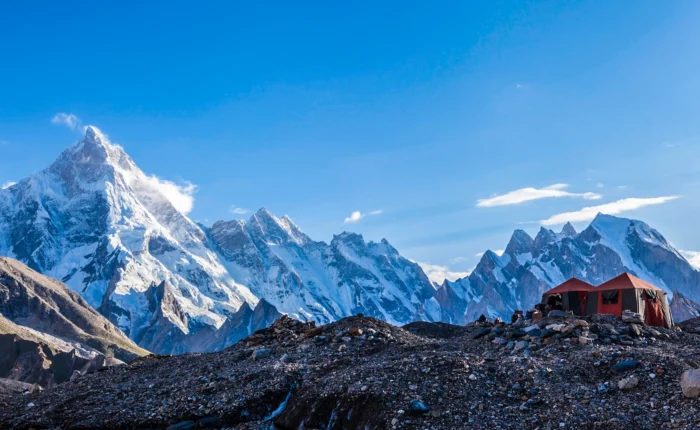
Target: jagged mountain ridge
column 95, row 221
column 608, row 247
column 319, row 281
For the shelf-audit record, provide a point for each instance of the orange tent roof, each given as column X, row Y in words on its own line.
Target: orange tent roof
column 625, row 281
column 572, row 284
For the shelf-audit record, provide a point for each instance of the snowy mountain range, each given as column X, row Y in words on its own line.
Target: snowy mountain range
column 96, row 222
column 608, row 247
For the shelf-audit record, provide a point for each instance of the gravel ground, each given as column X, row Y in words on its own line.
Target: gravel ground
column 360, row 372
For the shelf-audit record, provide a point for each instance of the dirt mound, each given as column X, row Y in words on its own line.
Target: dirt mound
column 363, row 373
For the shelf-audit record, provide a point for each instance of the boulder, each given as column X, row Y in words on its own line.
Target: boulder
column 628, row 383
column 635, row 330
column 626, row 365
column 519, row 333
column 261, row 353
column 690, row 383
column 520, row 345
column 556, row 313
column 483, row 331
column 418, row 406
column 632, row 317
column 355, row 331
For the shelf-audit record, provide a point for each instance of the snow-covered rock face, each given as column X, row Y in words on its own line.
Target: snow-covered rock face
column 607, row 248
column 95, row 221
column 320, row 281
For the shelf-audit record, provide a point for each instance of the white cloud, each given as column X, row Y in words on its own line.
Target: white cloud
column 438, row 274
column 622, row 187
column 693, row 257
column 600, row 185
column 238, row 211
column 68, row 119
column 356, row 216
column 7, row 184
column 181, row 196
column 614, row 208
column 526, row 194
column 458, row 260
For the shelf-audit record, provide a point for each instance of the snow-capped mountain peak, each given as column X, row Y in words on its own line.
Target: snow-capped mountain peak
column 280, row 230
column 95, row 221
column 96, row 152
column 520, row 243
column 568, row 230
column 608, row 247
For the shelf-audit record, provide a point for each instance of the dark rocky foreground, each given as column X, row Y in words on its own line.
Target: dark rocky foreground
column 363, row 373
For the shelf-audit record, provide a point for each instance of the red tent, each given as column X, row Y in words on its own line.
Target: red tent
column 572, row 295
column 624, row 292
column 627, row 292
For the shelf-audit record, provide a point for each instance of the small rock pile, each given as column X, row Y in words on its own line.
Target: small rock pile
column 360, row 372
column 563, row 328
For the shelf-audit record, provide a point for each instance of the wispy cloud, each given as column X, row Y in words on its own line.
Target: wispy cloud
column 356, row 216
column 7, row 184
column 180, row 195
column 458, row 260
column 693, row 257
column 526, row 194
column 437, row 274
column 68, row 119
column 238, row 211
column 588, row 213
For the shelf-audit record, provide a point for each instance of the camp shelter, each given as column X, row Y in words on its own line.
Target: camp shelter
column 572, row 295
column 627, row 292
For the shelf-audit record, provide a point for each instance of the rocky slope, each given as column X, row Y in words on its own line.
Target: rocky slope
column 95, row 221
column 43, row 305
column 608, row 247
column 361, row 372
column 47, row 331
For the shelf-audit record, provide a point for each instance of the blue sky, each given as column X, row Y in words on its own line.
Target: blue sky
column 422, row 111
